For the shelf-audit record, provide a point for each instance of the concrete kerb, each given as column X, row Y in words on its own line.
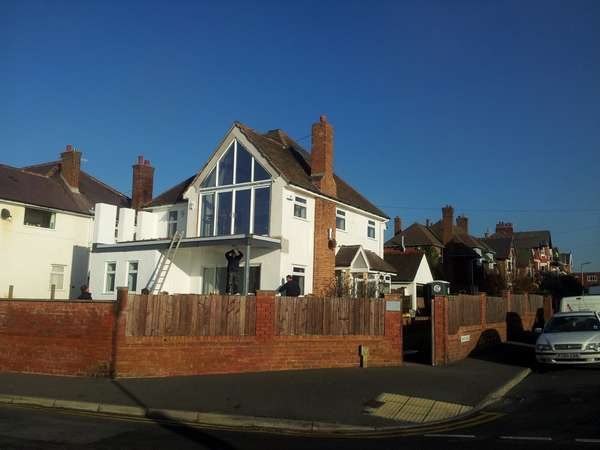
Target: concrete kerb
column 247, row 423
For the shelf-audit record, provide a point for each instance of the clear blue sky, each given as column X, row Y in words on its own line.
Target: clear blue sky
column 491, row 106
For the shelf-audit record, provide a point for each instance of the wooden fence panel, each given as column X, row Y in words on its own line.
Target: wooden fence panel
column 190, row 315
column 495, row 310
column 535, row 302
column 519, row 304
column 454, row 314
column 300, row 316
column 470, row 309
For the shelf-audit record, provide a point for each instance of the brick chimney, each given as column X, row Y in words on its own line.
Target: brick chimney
column 70, row 167
column 143, row 182
column 397, row 225
column 462, row 222
column 504, row 228
column 447, row 221
column 321, row 165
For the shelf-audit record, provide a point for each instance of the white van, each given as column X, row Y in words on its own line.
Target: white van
column 580, row 303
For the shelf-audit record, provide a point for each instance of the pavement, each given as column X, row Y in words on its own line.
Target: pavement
column 351, row 400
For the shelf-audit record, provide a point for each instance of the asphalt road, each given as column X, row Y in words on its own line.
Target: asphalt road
column 558, row 409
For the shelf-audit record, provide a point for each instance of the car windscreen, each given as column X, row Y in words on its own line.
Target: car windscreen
column 572, row 323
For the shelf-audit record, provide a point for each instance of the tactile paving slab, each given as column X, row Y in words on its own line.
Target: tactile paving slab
column 414, row 409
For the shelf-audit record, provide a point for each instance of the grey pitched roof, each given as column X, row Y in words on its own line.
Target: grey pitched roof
column 416, row 235
column 172, row 195
column 292, row 161
column 42, row 185
column 406, row 265
column 532, row 239
column 346, row 254
column 501, row 245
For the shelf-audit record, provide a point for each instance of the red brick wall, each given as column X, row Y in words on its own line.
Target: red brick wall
column 171, row 356
column 324, row 256
column 449, row 347
column 88, row 339
column 54, row 337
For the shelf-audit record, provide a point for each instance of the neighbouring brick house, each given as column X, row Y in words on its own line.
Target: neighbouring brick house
column 533, row 250
column 505, row 256
column 46, row 226
column 588, row 279
column 283, row 207
column 454, row 254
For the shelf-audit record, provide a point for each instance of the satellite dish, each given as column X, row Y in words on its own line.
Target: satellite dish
column 5, row 214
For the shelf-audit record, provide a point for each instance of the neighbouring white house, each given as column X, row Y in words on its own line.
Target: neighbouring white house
column 412, row 274
column 46, row 225
column 262, row 194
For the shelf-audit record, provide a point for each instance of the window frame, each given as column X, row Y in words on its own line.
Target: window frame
column 136, row 272
column 61, row 273
column 342, row 217
column 302, row 204
column 171, row 222
column 371, row 225
column 52, row 224
column 106, row 273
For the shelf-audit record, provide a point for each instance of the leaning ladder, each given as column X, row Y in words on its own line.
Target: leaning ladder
column 165, row 262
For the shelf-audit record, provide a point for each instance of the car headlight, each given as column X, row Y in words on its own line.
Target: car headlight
column 593, row 347
column 543, row 347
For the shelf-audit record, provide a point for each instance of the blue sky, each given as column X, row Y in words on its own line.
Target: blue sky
column 490, row 106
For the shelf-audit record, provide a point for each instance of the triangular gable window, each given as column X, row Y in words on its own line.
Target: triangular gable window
column 211, row 179
column 259, row 172
column 226, row 167
column 243, row 165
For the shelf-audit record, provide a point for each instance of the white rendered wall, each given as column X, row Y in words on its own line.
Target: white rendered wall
column 356, row 231
column 126, row 228
column 147, row 261
column 297, row 236
column 162, row 220
column 105, row 220
column 28, row 252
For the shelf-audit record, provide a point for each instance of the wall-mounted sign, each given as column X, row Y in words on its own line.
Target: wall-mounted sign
column 465, row 338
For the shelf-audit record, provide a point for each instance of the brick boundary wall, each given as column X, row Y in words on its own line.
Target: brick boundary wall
column 157, row 356
column 450, row 347
column 86, row 338
column 56, row 337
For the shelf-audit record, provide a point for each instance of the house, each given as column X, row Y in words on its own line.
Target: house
column 533, row 250
column 412, row 274
column 505, row 256
column 46, row 223
column 261, row 193
column 566, row 262
column 588, row 279
column 454, row 255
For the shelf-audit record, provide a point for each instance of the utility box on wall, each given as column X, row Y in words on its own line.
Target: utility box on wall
column 436, row 287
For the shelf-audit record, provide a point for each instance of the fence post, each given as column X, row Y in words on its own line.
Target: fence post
column 265, row 315
column 508, row 297
column 118, row 327
column 482, row 309
column 548, row 309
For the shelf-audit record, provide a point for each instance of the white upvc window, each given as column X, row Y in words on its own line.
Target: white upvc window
column 57, row 276
column 298, row 274
column 110, row 273
column 371, row 229
column 299, row 207
column 592, row 278
column 172, row 223
column 132, row 275
column 340, row 219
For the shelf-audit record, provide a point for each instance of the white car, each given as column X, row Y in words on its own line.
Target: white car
column 570, row 338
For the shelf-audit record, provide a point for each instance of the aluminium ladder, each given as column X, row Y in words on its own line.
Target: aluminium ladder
column 165, row 262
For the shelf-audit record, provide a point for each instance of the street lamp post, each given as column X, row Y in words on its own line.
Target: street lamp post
column 581, row 270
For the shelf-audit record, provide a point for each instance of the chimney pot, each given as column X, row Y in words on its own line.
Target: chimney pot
column 323, row 119
column 141, row 159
